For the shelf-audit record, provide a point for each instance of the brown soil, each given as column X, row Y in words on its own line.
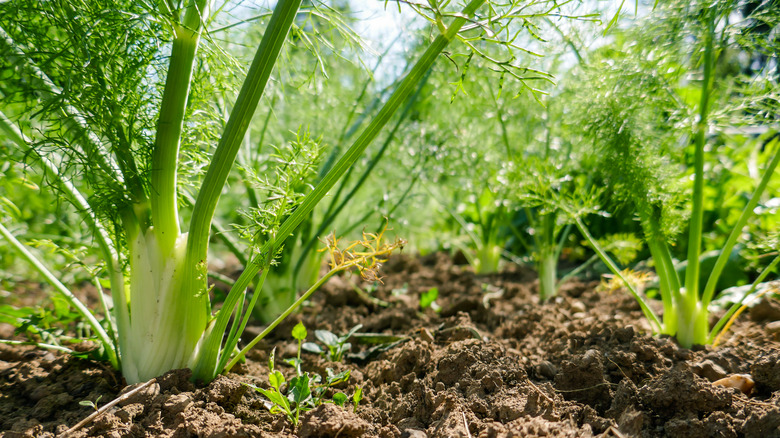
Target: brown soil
column 492, row 363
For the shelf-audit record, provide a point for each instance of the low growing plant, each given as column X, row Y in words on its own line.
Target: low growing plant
column 428, row 299
column 90, row 403
column 305, row 391
column 335, row 346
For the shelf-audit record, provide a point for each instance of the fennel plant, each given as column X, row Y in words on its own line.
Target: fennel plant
column 102, row 103
column 637, row 119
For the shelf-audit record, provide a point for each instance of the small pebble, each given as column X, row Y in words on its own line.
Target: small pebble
column 591, row 357
column 426, row 335
column 743, row 382
column 578, row 306
column 413, row 433
column 773, row 327
column 546, row 369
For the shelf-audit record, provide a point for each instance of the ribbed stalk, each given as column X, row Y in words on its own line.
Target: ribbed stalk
column 547, row 261
column 281, row 317
column 723, row 258
column 206, row 359
column 666, row 280
column 697, row 215
column 165, row 156
column 333, row 211
column 488, row 258
column 205, row 364
column 547, row 265
column 649, row 314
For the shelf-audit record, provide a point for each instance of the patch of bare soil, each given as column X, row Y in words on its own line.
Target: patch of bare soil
column 492, row 362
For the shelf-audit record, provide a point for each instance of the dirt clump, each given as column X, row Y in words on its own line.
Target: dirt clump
column 491, row 362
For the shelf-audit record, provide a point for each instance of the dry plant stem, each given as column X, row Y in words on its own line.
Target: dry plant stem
column 614, row 431
column 105, row 408
column 540, row 392
column 466, row 424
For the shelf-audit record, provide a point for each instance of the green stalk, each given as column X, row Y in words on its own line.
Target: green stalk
column 649, row 314
column 343, row 135
column 229, row 242
column 488, row 258
column 369, row 134
column 249, row 160
column 547, row 266
column 205, row 364
column 697, row 216
column 562, row 240
column 491, row 250
column 237, row 328
column 395, row 206
column 334, row 212
column 279, row 319
column 547, row 262
column 471, row 256
column 504, row 132
column 674, row 302
column 736, row 306
column 720, row 263
column 224, row 234
column 670, row 296
column 234, row 337
column 519, row 236
column 243, row 110
column 574, row 272
column 165, row 156
column 67, row 294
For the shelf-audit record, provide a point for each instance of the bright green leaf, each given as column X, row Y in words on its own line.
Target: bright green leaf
column 299, row 331
column 340, row 398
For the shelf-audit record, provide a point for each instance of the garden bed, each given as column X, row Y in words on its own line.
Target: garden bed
column 491, row 363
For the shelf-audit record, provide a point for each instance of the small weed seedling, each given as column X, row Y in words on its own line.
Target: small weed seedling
column 279, row 402
column 336, row 345
column 90, row 403
column 428, row 299
column 341, row 399
column 305, row 391
column 357, row 396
